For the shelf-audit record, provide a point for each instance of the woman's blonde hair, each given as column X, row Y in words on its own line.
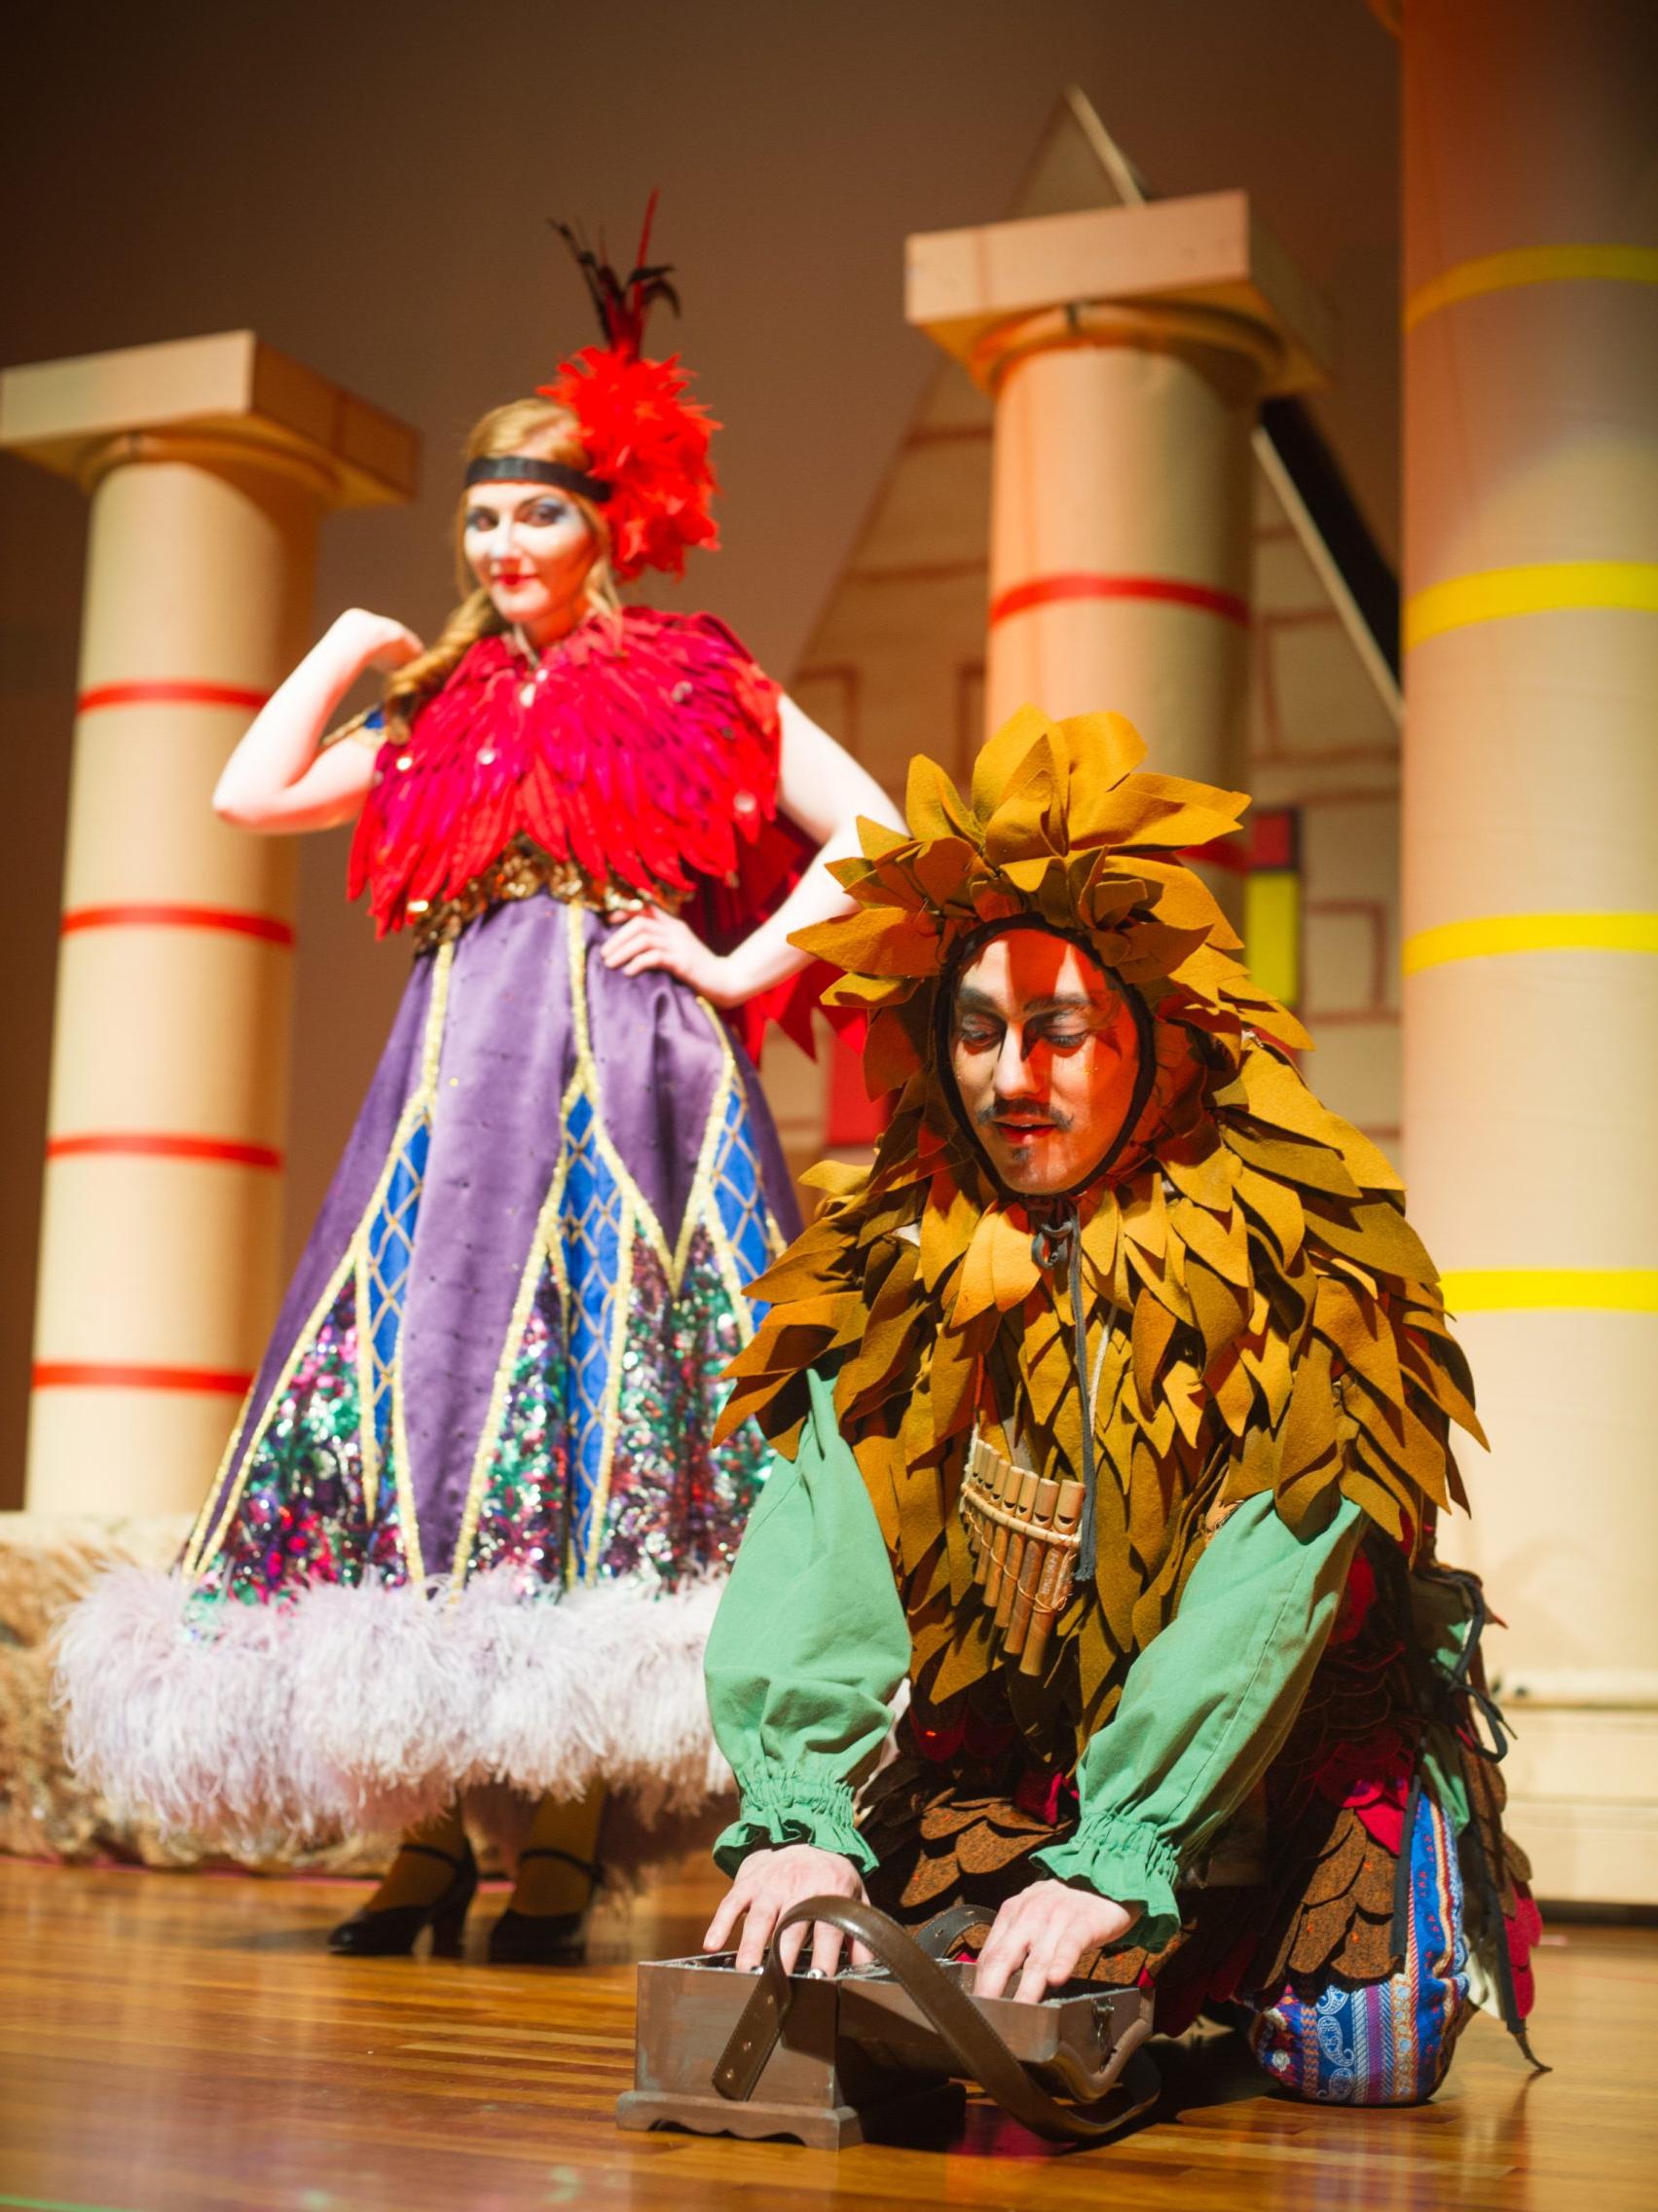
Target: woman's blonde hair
column 545, row 431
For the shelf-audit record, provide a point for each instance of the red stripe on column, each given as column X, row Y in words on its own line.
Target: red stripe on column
column 1050, row 591
column 90, row 1375
column 149, row 1144
column 170, row 692
column 271, row 926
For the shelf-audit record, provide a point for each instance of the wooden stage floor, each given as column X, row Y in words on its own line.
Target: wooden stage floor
column 173, row 2044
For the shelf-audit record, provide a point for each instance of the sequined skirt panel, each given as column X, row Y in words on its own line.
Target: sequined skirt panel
column 502, row 1341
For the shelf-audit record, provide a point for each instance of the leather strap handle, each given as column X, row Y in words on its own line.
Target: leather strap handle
column 952, row 2015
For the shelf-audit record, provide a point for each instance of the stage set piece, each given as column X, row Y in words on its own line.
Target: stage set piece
column 1113, row 1409
column 471, row 1527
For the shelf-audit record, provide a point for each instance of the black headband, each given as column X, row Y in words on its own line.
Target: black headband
column 522, row 468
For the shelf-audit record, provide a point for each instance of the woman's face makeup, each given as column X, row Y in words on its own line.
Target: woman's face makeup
column 530, row 547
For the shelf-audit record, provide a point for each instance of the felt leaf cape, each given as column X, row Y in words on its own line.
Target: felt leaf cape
column 1261, row 1314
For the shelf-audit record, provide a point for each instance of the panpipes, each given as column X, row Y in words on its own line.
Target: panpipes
column 1022, row 1526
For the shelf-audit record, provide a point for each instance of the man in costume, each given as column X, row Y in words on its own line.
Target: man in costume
column 1112, row 1410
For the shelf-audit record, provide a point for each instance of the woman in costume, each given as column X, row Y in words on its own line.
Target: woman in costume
column 471, row 1529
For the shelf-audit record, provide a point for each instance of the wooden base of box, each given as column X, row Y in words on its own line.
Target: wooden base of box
column 911, row 2116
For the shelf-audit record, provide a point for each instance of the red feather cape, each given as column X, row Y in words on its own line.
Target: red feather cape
column 645, row 757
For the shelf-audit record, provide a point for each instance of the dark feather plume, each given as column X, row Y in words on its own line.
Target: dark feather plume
column 623, row 303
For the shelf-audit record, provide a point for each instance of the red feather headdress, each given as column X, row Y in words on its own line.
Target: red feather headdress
column 641, row 434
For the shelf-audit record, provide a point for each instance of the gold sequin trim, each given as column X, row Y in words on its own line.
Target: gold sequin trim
column 522, row 871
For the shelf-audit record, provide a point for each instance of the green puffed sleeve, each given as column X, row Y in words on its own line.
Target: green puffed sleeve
column 807, row 1647
column 1205, row 1709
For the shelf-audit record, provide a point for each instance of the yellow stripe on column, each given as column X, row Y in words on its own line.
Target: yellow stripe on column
column 1495, row 934
column 1532, row 264
column 1514, row 1290
column 1540, row 587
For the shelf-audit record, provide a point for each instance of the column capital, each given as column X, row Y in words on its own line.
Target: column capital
column 1195, row 273
column 221, row 400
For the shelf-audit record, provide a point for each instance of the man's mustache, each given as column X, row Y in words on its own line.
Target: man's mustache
column 1003, row 1109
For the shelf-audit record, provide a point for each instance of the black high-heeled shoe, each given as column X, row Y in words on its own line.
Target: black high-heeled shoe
column 546, row 1938
column 391, row 1933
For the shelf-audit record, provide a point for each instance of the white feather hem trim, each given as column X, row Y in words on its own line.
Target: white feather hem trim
column 370, row 1707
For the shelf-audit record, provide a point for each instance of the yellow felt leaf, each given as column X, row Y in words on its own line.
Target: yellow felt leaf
column 1277, row 1094
column 947, row 1225
column 998, row 1272
column 1145, row 1217
column 993, row 770
column 945, row 869
column 1376, row 1235
column 1155, row 952
column 1184, row 1392
column 1099, row 1242
column 1023, row 823
column 932, row 804
column 1427, row 1462
column 1276, row 1206
column 1377, row 1499
column 1307, row 1437
column 1100, row 748
column 1221, row 1245
column 1030, row 875
column 1297, row 1499
column 954, row 1377
column 1309, row 1165
column 839, row 1178
column 891, row 1055
column 1361, row 1332
column 1153, row 1333
column 1183, row 899
column 877, row 1466
column 867, row 990
column 1220, row 1310
column 1208, row 1178
column 880, row 839
column 1270, row 1365
column 1442, row 1375
column 874, row 942
column 967, row 1658
column 1234, row 1395
column 1154, row 810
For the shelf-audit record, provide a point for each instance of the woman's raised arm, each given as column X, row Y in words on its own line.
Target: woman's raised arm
column 275, row 779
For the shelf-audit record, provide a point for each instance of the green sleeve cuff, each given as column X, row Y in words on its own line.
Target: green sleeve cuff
column 1131, row 1864
column 778, row 1808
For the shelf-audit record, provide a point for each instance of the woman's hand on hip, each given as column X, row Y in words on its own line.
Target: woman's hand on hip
column 1042, row 1936
column 767, row 1884
column 658, row 940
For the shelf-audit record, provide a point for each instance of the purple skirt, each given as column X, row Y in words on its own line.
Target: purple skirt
column 471, row 1527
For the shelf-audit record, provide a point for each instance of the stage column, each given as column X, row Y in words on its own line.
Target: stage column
column 1126, row 349
column 1530, row 861
column 210, row 463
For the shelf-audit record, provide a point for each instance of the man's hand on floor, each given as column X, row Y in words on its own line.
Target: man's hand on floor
column 767, row 1883
column 1041, row 1935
